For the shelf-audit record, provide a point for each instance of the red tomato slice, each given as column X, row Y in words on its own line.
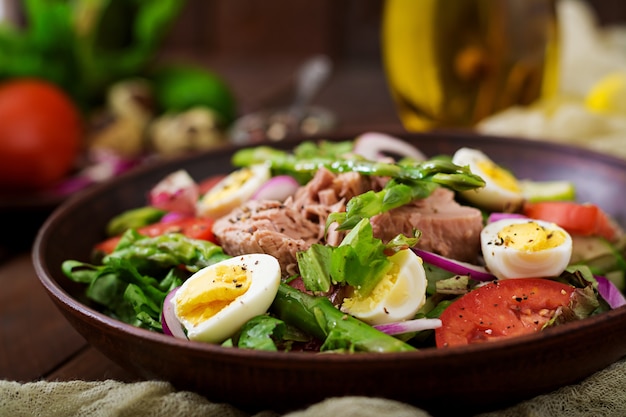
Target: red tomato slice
column 193, row 227
column 505, row 308
column 576, row 218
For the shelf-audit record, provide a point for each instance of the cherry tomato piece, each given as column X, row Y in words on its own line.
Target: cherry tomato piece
column 504, row 308
column 192, row 227
column 576, row 218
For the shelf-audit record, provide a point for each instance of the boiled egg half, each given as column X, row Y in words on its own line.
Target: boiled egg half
column 525, row 248
column 217, row 300
column 501, row 192
column 398, row 296
column 234, row 190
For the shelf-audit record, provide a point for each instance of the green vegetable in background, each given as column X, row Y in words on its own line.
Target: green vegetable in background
column 85, row 45
column 181, row 87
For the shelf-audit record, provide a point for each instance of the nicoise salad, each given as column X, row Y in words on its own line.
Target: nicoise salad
column 364, row 245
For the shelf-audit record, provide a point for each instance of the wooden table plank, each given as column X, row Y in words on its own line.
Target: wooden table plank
column 91, row 365
column 35, row 336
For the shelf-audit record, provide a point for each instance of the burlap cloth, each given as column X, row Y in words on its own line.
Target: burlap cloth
column 602, row 394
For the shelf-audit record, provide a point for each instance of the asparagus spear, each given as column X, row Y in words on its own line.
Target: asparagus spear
column 408, row 181
column 438, row 170
column 317, row 316
column 133, row 219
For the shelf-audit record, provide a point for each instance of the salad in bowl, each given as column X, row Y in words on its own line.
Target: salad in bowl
column 353, row 246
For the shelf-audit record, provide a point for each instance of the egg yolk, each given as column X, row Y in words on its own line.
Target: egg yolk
column 235, row 181
column 500, row 176
column 358, row 304
column 207, row 295
column 530, row 237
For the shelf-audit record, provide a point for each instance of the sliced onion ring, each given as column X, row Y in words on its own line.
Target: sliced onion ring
column 171, row 325
column 375, row 146
column 277, row 188
column 476, row 272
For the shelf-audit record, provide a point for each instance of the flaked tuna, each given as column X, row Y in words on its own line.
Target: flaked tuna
column 267, row 227
column 448, row 228
column 283, row 229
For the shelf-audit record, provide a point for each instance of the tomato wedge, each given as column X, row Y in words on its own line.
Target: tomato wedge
column 576, row 218
column 504, row 308
column 193, row 227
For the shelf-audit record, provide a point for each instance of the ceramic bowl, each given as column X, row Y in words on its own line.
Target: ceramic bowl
column 476, row 377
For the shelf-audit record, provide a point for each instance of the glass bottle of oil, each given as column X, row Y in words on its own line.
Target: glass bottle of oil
column 451, row 63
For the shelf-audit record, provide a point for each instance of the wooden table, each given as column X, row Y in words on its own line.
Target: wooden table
column 36, row 342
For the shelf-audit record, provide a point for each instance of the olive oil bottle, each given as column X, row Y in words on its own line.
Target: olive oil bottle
column 451, row 63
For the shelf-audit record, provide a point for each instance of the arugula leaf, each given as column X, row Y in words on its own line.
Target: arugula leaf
column 260, row 333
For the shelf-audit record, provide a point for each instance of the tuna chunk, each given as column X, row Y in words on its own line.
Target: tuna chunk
column 328, row 193
column 267, row 227
column 448, row 228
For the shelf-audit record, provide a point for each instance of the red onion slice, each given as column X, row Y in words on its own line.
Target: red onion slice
column 408, row 326
column 277, row 188
column 376, row 146
column 495, row 216
column 610, row 292
column 173, row 216
column 476, row 272
column 171, row 325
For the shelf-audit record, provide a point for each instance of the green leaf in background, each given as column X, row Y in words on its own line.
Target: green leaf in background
column 116, row 39
column 180, row 87
column 85, row 45
column 42, row 45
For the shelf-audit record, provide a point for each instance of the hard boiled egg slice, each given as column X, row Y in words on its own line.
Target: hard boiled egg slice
column 217, row 300
column 525, row 248
column 397, row 297
column 501, row 192
column 234, row 190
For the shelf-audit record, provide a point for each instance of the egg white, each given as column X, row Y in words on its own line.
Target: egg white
column 494, row 195
column 234, row 190
column 509, row 262
column 393, row 301
column 264, row 272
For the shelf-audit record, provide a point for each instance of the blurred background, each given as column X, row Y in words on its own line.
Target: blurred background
column 346, row 31
column 280, row 33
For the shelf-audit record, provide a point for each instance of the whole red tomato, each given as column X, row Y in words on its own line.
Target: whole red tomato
column 40, row 134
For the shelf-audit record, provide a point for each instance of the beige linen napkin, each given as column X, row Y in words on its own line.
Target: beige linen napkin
column 601, row 395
